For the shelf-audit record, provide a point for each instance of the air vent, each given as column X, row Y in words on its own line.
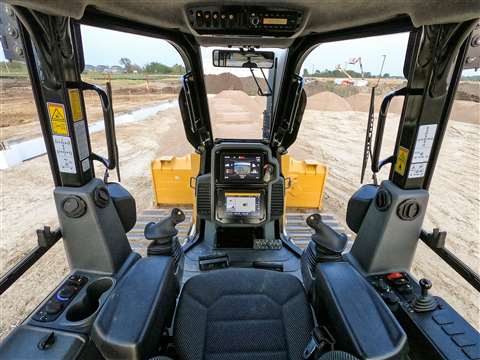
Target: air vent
column 203, row 200
column 276, row 209
column 408, row 209
column 383, row 199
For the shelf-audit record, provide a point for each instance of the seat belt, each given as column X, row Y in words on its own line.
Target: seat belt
column 320, row 342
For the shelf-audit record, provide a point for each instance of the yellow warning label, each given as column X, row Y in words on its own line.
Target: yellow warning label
column 401, row 163
column 74, row 95
column 57, row 118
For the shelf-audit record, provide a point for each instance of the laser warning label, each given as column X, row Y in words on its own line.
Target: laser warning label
column 57, row 119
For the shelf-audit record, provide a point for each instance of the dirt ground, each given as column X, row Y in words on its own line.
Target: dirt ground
column 329, row 136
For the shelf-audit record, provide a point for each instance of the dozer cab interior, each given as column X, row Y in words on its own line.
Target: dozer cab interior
column 238, row 286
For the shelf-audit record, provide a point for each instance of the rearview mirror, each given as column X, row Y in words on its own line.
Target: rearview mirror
column 243, row 59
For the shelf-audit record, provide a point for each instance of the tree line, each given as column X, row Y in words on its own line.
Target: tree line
column 152, row 67
column 340, row 74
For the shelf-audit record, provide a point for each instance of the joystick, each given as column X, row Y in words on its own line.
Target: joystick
column 425, row 302
column 164, row 235
column 326, row 244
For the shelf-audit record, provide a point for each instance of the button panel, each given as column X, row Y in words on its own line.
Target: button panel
column 60, row 300
column 267, row 244
column 241, row 20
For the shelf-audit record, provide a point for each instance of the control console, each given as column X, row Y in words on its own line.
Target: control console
column 244, row 176
column 441, row 332
column 241, row 20
column 60, row 300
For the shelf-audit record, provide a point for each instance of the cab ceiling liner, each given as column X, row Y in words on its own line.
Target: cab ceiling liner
column 319, row 16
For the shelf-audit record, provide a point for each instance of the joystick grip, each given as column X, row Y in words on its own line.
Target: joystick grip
column 177, row 216
column 425, row 285
column 314, row 221
column 325, row 238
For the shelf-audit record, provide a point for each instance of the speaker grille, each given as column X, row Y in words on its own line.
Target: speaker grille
column 203, row 200
column 277, row 199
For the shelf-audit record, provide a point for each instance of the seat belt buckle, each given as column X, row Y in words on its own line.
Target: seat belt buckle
column 320, row 338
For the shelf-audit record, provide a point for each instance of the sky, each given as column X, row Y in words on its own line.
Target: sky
column 106, row 47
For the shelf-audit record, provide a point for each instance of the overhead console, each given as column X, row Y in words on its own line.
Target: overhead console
column 243, row 20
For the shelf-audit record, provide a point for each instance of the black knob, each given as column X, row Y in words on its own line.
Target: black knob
column 425, row 285
column 53, row 307
column 66, row 293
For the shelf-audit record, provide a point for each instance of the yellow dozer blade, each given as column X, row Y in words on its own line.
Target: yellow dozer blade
column 173, row 179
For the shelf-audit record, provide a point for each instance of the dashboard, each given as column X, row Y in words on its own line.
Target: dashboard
column 245, row 178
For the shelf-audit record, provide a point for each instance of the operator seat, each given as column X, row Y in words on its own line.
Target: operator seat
column 242, row 314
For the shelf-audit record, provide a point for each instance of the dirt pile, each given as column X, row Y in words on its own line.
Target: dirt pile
column 225, row 81
column 328, row 101
column 466, row 111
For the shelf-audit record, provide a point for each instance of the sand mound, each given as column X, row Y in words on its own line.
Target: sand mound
column 466, row 111
column 225, row 81
column 361, row 102
column 328, row 101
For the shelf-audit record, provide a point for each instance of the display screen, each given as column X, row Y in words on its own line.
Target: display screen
column 242, row 204
column 242, row 167
column 275, row 21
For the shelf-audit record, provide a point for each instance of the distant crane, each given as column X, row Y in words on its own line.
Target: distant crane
column 349, row 81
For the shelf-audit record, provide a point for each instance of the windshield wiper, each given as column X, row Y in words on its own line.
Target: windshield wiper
column 259, row 88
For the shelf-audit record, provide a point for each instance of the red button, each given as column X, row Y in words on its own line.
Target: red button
column 394, row 276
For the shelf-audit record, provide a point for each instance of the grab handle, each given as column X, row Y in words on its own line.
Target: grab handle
column 112, row 153
column 377, row 164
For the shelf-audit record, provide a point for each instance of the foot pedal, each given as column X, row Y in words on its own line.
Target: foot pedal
column 268, row 265
column 213, row 261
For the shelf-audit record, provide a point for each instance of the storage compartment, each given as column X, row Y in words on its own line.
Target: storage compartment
column 90, row 302
column 237, row 238
column 358, row 318
column 141, row 306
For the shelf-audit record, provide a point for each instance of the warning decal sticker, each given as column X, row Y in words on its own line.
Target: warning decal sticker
column 401, row 163
column 75, row 104
column 423, row 145
column 417, row 170
column 57, row 118
column 81, row 136
column 423, row 148
column 64, row 151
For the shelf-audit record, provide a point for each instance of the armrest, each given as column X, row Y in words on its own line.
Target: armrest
column 132, row 320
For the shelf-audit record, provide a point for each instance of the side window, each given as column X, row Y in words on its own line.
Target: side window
column 338, row 81
column 145, row 80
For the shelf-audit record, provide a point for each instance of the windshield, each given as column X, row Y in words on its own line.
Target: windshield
column 235, row 98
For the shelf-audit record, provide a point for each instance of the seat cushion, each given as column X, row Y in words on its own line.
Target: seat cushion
column 242, row 314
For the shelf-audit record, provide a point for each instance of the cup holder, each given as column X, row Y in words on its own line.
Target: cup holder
column 89, row 303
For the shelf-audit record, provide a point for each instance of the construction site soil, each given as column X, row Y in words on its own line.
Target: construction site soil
column 332, row 132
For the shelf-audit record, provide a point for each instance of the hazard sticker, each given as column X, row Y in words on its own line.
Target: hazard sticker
column 401, row 163
column 57, row 118
column 75, row 104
